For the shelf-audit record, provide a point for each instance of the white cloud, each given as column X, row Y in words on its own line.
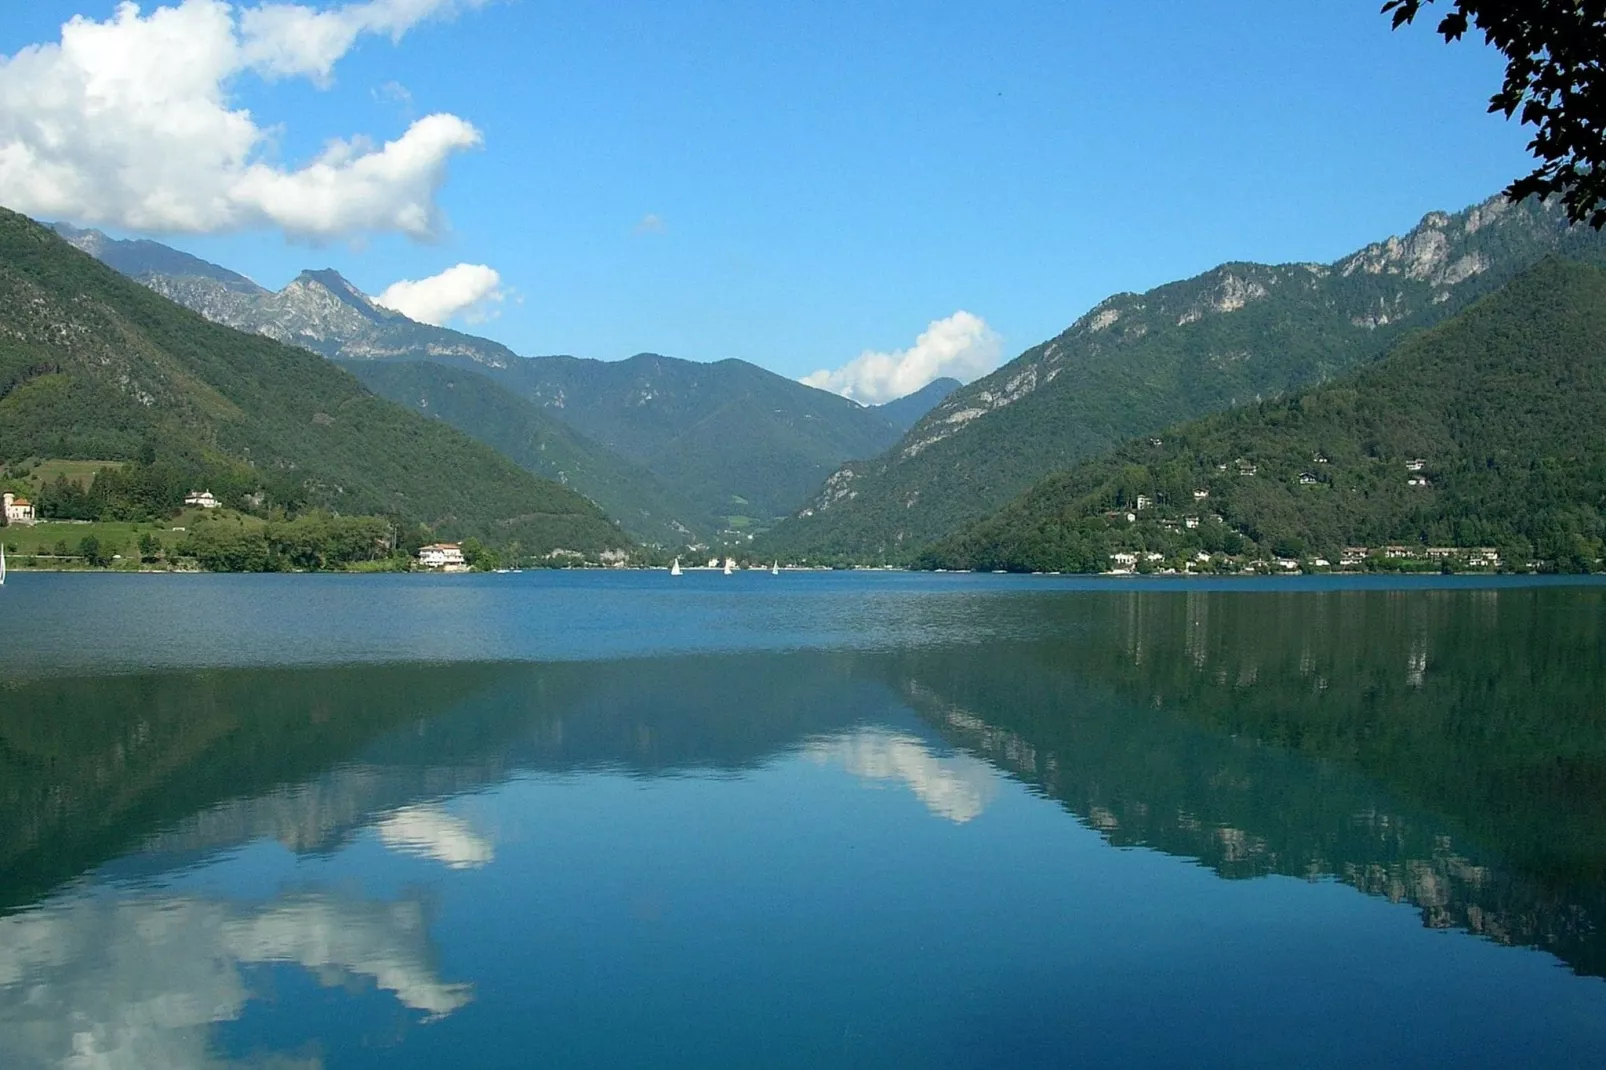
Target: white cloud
column 961, row 346
column 651, row 223
column 131, row 123
column 468, row 290
column 286, row 40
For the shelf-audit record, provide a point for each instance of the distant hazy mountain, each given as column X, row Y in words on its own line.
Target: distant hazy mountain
column 906, row 411
column 318, row 310
column 538, row 441
column 139, row 258
column 741, row 444
column 1137, row 363
column 95, row 367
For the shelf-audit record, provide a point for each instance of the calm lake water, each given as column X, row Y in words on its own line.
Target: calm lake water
column 859, row 820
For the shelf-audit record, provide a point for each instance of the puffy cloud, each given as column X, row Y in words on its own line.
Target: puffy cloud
column 469, row 290
column 961, row 346
column 129, row 123
column 286, row 40
column 651, row 223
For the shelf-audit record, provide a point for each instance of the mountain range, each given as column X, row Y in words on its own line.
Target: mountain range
column 1482, row 432
column 95, row 367
column 1137, row 363
column 683, row 452
column 677, row 450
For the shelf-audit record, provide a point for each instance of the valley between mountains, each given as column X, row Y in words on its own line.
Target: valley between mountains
column 1470, row 343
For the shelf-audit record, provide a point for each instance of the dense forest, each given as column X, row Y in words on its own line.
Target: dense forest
column 1484, row 432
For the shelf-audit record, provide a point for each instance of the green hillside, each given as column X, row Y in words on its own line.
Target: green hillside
column 93, row 365
column 1503, row 405
column 1137, row 363
column 530, row 436
column 731, row 447
column 741, row 444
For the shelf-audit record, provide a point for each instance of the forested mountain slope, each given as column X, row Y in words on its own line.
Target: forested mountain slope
column 94, row 366
column 1137, row 363
column 537, row 441
column 731, row 445
column 742, row 444
column 1486, row 431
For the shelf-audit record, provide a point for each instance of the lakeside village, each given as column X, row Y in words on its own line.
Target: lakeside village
column 454, row 557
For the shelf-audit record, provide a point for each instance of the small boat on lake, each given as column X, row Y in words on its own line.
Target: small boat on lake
column 775, row 569
column 674, row 570
column 730, row 565
column 2, row 564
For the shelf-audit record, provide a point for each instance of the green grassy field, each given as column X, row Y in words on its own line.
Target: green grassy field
column 42, row 541
column 35, row 473
column 80, row 472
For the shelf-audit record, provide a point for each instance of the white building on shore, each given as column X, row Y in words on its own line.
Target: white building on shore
column 445, row 556
column 18, row 510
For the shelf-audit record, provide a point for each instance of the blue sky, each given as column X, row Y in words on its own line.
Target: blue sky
column 829, row 178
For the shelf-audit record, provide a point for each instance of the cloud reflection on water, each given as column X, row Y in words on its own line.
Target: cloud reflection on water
column 427, row 831
column 89, row 981
column 957, row 787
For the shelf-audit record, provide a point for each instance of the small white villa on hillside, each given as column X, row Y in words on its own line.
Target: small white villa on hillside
column 446, row 556
column 201, row 499
column 18, row 510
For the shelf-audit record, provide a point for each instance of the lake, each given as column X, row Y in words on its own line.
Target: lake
column 815, row 819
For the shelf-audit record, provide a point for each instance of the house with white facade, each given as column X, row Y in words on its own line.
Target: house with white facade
column 1144, row 501
column 1307, row 479
column 201, row 499
column 18, row 510
column 445, row 556
column 1416, row 464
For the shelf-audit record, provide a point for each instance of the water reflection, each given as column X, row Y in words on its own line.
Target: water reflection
column 103, row 981
column 957, row 787
column 427, row 831
column 1445, row 749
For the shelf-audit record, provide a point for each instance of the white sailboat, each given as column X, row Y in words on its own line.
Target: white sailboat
column 775, row 569
column 2, row 564
column 674, row 570
column 729, row 565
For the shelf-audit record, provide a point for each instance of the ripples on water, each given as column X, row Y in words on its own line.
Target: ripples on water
column 799, row 821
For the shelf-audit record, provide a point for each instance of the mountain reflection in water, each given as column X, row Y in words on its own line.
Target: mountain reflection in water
column 1442, row 748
